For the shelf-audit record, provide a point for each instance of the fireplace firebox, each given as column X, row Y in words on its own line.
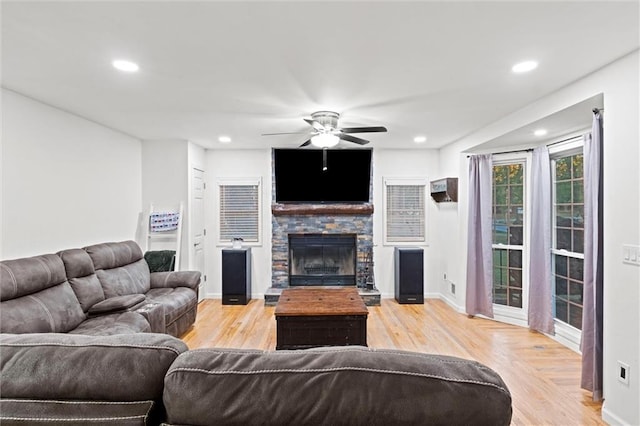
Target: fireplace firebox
column 322, row 259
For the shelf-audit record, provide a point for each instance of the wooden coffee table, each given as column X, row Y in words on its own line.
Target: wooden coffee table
column 309, row 317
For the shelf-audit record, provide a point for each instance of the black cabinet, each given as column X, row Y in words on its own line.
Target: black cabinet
column 409, row 274
column 236, row 276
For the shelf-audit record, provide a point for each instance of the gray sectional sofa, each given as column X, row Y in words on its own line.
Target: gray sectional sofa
column 149, row 378
column 88, row 337
column 101, row 289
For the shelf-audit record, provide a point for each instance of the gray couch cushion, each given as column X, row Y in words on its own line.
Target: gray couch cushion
column 128, row 279
column 22, row 412
column 176, row 301
column 107, row 325
column 332, row 386
column 21, row 277
column 113, row 255
column 82, row 277
column 120, row 267
column 55, row 309
column 54, row 366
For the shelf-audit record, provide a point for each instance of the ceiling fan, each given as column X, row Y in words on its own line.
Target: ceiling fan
column 326, row 133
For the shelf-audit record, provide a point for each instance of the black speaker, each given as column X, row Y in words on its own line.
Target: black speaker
column 236, row 276
column 409, row 274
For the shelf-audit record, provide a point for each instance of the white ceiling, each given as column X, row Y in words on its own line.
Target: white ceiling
column 211, row 68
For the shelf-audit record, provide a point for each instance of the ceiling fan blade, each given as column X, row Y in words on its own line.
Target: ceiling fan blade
column 314, row 124
column 363, row 129
column 284, row 133
column 352, row 139
column 305, row 143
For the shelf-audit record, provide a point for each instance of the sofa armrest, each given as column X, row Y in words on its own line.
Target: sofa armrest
column 190, row 279
column 116, row 304
column 53, row 366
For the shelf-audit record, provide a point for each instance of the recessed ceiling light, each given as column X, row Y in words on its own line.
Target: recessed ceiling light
column 224, row 139
column 525, row 66
column 540, row 132
column 126, row 66
column 420, row 139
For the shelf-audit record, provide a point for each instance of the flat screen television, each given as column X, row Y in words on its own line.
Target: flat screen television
column 300, row 177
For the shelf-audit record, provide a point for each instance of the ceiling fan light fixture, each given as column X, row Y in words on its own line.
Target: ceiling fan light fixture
column 325, row 140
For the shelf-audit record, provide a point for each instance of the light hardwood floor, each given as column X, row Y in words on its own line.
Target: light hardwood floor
column 542, row 375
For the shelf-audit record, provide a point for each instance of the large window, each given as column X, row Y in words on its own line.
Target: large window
column 507, row 233
column 568, row 236
column 405, row 214
column 239, row 207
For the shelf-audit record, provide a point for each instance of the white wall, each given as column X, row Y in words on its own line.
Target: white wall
column 67, row 182
column 225, row 164
column 257, row 163
column 619, row 84
column 389, row 163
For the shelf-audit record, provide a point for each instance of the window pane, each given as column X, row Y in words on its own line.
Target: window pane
column 562, row 310
column 577, row 161
column 515, row 235
column 516, row 194
column 500, row 174
column 515, row 298
column 575, row 292
column 563, row 168
column 576, row 268
column 578, row 215
column 501, row 195
column 578, row 241
column 563, row 239
column 563, row 192
column 578, row 192
column 515, row 258
column 515, row 278
column 575, row 316
column 561, row 287
column 515, row 174
column 560, row 265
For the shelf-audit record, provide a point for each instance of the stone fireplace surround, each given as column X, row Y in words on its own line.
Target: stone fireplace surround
column 322, row 219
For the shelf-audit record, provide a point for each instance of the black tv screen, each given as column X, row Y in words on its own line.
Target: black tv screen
column 300, row 178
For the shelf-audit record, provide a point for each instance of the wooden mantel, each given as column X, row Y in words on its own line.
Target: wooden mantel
column 321, row 209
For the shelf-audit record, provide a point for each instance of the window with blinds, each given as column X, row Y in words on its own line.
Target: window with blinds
column 239, row 211
column 405, row 214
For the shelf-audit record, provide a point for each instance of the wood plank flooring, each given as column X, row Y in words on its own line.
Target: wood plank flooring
column 542, row 375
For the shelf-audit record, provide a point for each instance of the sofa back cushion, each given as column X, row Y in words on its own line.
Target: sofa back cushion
column 82, row 277
column 36, row 297
column 123, row 367
column 120, row 267
column 348, row 385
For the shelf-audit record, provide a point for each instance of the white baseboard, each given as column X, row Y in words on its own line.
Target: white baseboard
column 611, row 418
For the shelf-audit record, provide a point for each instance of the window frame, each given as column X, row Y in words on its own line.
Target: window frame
column 567, row 333
column 253, row 181
column 408, row 181
column 505, row 313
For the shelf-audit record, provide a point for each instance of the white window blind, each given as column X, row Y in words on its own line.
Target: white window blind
column 239, row 212
column 405, row 213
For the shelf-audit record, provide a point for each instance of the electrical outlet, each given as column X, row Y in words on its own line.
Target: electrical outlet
column 623, row 372
column 445, row 276
column 453, row 288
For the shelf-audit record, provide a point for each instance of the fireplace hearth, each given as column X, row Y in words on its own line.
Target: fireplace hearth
column 322, row 259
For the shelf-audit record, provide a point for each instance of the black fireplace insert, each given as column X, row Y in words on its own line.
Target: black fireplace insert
column 322, row 259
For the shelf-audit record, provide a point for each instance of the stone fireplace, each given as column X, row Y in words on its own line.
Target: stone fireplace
column 353, row 222
column 324, row 223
